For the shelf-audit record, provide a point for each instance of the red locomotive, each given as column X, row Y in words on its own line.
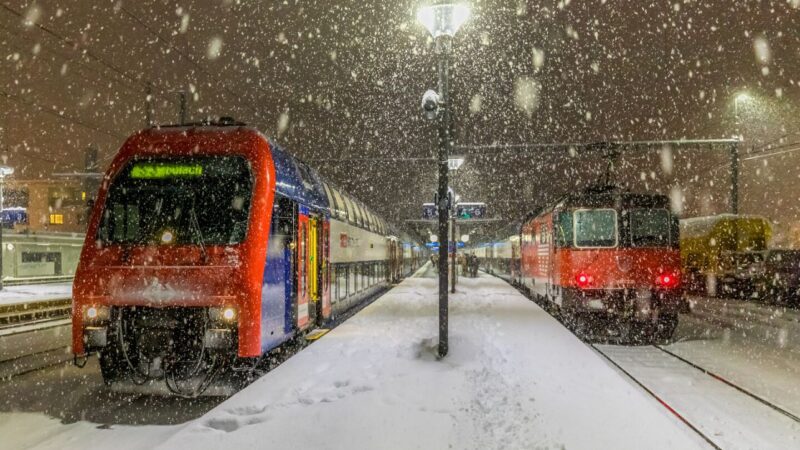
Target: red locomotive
column 609, row 257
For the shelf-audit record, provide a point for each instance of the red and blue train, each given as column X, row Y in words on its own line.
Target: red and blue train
column 209, row 246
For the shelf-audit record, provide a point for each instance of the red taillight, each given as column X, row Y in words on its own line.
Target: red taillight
column 667, row 280
column 583, row 280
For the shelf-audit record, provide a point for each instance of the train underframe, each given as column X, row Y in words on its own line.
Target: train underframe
column 633, row 316
column 177, row 351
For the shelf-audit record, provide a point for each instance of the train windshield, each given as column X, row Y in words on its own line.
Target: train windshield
column 183, row 201
column 595, row 228
column 650, row 227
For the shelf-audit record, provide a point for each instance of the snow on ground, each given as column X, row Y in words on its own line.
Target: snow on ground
column 754, row 345
column 729, row 418
column 514, row 378
column 64, row 407
column 12, row 295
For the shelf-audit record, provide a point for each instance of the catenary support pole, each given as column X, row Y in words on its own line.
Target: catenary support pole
column 734, row 149
column 443, row 50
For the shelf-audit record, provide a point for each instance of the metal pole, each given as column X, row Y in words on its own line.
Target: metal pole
column 453, row 252
column 2, row 180
column 443, row 47
column 182, row 117
column 735, row 178
column 148, row 105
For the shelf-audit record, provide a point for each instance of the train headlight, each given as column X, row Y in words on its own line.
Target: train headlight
column 95, row 314
column 226, row 314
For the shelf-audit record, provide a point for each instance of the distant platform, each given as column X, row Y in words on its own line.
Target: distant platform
column 20, row 294
column 514, row 378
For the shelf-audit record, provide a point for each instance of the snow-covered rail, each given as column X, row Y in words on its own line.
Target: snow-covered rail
column 739, row 388
column 661, row 400
column 725, row 414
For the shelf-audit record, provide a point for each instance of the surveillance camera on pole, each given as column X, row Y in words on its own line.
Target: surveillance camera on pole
column 430, row 104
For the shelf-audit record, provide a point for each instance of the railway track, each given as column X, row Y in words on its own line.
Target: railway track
column 637, row 364
column 738, row 418
column 33, row 335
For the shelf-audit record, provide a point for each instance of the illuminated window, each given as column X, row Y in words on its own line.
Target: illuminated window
column 56, row 219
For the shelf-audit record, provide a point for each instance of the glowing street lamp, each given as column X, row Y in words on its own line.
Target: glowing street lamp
column 442, row 19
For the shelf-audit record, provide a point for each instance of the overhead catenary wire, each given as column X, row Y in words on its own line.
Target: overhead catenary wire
column 187, row 57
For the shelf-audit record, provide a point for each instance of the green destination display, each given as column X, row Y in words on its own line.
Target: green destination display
column 165, row 170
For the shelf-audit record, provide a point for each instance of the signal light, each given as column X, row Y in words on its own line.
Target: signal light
column 583, row 280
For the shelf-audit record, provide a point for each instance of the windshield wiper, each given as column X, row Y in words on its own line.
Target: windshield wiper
column 196, row 226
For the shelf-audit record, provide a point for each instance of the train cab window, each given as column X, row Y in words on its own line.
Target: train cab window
column 650, row 227
column 182, row 201
column 595, row 228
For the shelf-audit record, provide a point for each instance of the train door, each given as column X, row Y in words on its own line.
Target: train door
column 325, row 269
column 302, row 255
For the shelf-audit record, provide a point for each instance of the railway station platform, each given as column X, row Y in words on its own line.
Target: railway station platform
column 31, row 293
column 514, row 378
column 34, row 326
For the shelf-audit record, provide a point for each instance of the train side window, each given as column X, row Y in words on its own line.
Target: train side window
column 359, row 214
column 362, row 215
column 341, row 209
column 351, row 215
column 367, row 219
column 331, row 200
column 373, row 226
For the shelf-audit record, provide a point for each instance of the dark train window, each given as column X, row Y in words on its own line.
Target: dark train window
column 650, row 227
column 184, row 201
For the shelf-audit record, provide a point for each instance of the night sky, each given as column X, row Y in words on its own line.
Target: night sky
column 339, row 84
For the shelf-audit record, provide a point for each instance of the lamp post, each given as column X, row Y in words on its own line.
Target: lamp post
column 4, row 172
column 442, row 20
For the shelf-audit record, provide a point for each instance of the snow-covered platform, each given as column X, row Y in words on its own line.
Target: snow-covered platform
column 514, row 378
column 14, row 295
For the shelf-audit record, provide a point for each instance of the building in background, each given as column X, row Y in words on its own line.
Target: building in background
column 54, row 205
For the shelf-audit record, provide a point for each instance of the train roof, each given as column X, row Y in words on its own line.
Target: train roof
column 297, row 181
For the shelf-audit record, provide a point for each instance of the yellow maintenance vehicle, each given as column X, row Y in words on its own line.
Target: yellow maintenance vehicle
column 724, row 254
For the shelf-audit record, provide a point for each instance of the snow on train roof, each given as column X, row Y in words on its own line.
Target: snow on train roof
column 297, row 181
column 698, row 226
